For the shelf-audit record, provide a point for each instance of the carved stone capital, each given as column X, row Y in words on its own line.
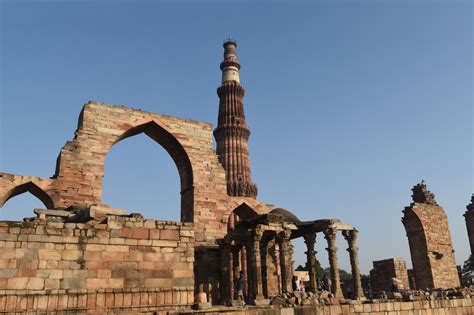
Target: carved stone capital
column 284, row 235
column 257, row 234
column 330, row 234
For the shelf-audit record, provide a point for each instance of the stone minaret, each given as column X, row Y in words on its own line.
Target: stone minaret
column 232, row 134
column 469, row 215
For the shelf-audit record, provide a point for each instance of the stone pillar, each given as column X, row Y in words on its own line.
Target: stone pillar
column 250, row 276
column 310, row 240
column 236, row 269
column 263, row 258
column 277, row 265
column 291, row 250
column 202, row 290
column 285, row 260
column 254, row 246
column 243, row 264
column 351, row 237
column 469, row 216
column 330, row 236
column 226, row 273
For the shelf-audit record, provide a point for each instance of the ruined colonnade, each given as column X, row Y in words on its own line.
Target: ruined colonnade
column 247, row 247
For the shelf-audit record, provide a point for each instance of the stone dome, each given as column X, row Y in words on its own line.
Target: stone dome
column 286, row 215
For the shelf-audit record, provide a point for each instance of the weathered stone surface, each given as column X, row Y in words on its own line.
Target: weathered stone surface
column 429, row 237
column 384, row 270
column 90, row 264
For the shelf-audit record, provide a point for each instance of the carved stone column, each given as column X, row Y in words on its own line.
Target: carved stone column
column 226, row 272
column 236, row 269
column 254, row 246
column 285, row 260
column 263, row 258
column 277, row 265
column 351, row 237
column 243, row 264
column 310, row 240
column 250, row 271
column 330, row 236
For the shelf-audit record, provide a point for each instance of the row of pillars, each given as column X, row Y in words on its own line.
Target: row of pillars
column 250, row 256
column 351, row 237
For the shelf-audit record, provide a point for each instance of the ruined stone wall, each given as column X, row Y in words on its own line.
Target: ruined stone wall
column 469, row 216
column 80, row 167
column 437, row 307
column 384, row 270
column 123, row 262
column 431, row 247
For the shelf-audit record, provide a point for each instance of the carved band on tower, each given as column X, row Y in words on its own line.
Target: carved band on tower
column 232, row 133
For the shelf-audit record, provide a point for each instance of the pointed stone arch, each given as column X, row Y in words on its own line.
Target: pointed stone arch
column 242, row 212
column 31, row 188
column 173, row 147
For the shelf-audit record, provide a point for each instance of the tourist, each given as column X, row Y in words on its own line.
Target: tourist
column 326, row 283
column 293, row 283
column 394, row 284
column 240, row 287
column 302, row 286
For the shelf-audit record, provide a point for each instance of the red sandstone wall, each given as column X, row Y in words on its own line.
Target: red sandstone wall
column 381, row 275
column 125, row 262
column 431, row 247
column 469, row 216
column 80, row 166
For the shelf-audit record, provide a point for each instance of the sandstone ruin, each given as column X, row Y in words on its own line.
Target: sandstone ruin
column 80, row 255
column 469, row 216
column 431, row 248
column 384, row 270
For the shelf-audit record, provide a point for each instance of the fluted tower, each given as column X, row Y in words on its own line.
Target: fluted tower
column 232, row 134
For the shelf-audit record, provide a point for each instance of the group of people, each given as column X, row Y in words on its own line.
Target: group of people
column 298, row 285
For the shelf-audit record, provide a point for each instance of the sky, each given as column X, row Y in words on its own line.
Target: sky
column 350, row 103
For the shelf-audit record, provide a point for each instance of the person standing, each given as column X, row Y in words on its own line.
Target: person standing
column 394, row 284
column 240, row 286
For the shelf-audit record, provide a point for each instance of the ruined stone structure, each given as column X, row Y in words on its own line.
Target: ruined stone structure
column 265, row 239
column 384, row 270
column 469, row 216
column 119, row 262
column 81, row 254
column 429, row 237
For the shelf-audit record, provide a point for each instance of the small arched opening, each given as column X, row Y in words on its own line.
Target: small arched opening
column 22, row 206
column 242, row 212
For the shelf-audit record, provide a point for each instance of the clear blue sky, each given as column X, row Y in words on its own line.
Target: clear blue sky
column 350, row 103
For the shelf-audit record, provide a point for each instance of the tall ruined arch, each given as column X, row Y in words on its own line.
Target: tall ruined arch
column 418, row 249
column 176, row 151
